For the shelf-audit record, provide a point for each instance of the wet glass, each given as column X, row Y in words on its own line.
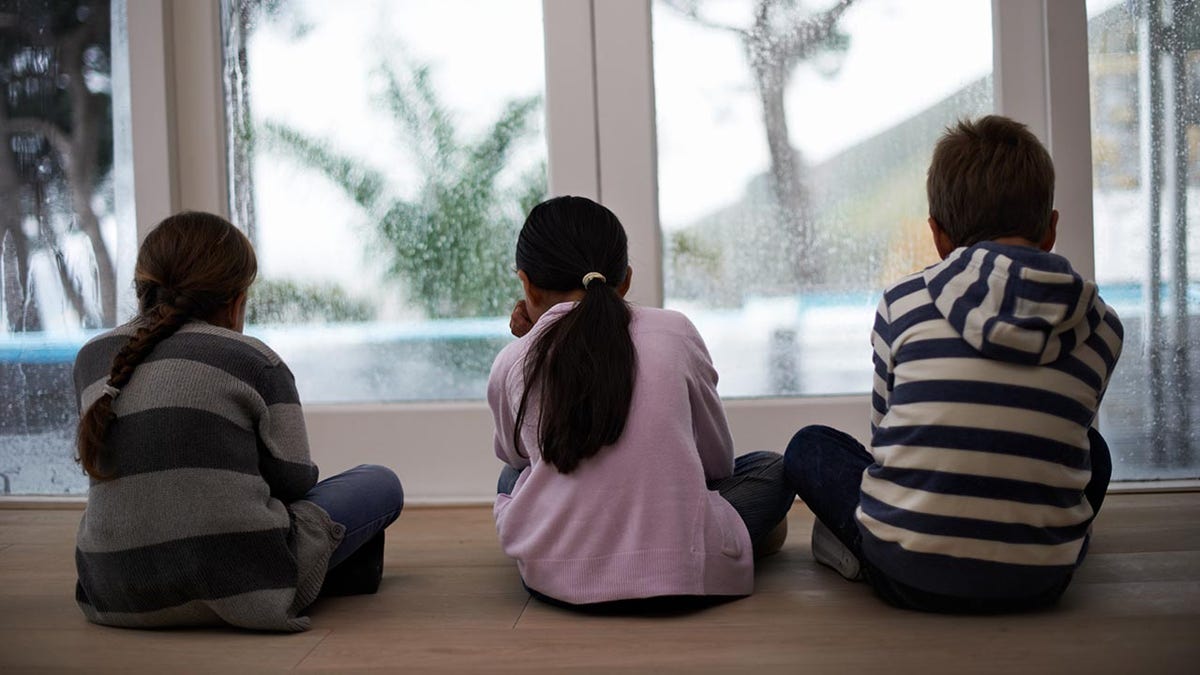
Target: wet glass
column 792, row 149
column 1144, row 62
column 382, row 157
column 66, row 234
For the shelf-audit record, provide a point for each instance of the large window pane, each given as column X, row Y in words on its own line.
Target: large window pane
column 793, row 140
column 64, row 252
column 383, row 154
column 1145, row 84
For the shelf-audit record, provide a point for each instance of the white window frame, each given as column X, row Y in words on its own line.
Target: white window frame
column 601, row 140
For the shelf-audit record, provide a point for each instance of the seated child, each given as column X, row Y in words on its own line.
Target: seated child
column 204, row 506
column 620, row 482
column 985, row 471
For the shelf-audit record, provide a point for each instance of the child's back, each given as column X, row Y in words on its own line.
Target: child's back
column 620, row 482
column 636, row 520
column 984, row 473
column 990, row 367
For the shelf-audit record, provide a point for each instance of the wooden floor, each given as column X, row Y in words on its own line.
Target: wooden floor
column 451, row 601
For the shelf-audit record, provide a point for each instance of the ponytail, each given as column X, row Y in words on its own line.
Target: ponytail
column 584, row 363
column 191, row 265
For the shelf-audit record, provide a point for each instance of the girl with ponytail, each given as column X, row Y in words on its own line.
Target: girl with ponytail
column 204, row 505
column 620, row 481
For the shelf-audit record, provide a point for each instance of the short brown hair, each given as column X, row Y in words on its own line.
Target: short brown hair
column 990, row 178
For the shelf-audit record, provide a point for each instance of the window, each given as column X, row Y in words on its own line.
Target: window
column 1145, row 85
column 382, row 158
column 65, row 241
column 792, row 147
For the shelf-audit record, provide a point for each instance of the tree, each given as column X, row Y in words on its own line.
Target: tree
column 453, row 243
column 55, row 142
column 783, row 35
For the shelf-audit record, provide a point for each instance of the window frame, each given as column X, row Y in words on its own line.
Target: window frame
column 601, row 141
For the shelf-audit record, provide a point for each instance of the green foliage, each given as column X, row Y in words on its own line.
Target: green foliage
column 287, row 302
column 453, row 243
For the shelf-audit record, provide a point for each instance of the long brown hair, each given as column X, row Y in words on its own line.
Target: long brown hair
column 191, row 265
column 583, row 363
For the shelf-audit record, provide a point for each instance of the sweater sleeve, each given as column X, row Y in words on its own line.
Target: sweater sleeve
column 709, row 426
column 283, row 456
column 883, row 380
column 504, row 417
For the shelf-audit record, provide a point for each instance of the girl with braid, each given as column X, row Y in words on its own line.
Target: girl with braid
column 620, row 489
column 204, row 505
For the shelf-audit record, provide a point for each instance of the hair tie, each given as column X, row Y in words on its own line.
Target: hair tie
column 110, row 390
column 591, row 276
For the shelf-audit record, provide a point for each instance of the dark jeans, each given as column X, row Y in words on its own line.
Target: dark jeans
column 825, row 466
column 757, row 490
column 364, row 500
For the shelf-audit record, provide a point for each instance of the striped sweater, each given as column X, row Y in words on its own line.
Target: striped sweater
column 989, row 369
column 204, row 520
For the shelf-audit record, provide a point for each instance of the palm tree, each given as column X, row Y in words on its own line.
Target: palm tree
column 453, row 243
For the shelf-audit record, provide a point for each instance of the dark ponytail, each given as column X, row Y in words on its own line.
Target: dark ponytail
column 582, row 364
column 190, row 266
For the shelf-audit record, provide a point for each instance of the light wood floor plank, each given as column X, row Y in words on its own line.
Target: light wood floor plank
column 452, row 602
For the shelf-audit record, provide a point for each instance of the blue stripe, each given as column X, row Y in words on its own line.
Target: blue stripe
column 919, row 315
column 938, row 283
column 972, row 528
column 903, row 289
column 879, row 404
column 961, row 577
column 1097, row 343
column 882, row 329
column 1073, row 366
column 881, row 368
column 1069, row 294
column 987, row 487
column 939, row 348
column 991, row 393
column 973, row 297
column 1110, row 318
column 1011, row 443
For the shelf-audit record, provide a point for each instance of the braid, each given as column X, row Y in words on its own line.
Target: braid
column 166, row 318
column 191, row 265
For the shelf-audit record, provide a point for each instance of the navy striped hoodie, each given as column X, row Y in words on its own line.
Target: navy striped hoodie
column 989, row 369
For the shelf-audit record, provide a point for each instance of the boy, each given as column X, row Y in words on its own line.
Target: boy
column 984, row 473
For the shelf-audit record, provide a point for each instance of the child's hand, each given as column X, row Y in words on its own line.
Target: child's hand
column 520, row 323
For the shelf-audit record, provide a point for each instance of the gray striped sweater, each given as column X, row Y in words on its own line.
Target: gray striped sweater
column 204, row 521
column 989, row 369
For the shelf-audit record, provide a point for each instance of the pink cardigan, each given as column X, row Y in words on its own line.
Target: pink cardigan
column 637, row 519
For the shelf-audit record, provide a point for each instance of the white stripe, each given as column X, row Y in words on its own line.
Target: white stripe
column 982, row 508
column 936, row 329
column 979, row 549
column 997, row 372
column 983, row 417
column 910, row 302
column 978, row 463
column 1092, row 359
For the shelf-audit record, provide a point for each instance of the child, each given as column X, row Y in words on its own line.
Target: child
column 985, row 471
column 621, row 482
column 204, row 506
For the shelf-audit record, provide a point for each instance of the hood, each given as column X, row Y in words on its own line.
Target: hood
column 1014, row 303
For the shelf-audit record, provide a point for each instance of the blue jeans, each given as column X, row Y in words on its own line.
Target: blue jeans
column 364, row 500
column 825, row 467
